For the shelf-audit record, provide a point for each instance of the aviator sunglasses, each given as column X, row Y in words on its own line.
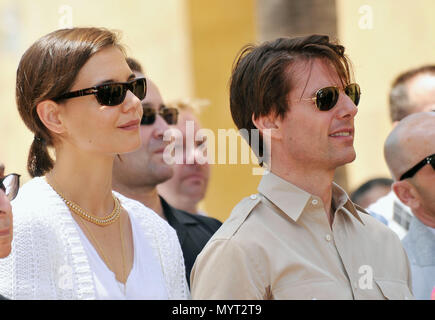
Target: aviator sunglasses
column 170, row 115
column 10, row 185
column 111, row 94
column 411, row 172
column 326, row 98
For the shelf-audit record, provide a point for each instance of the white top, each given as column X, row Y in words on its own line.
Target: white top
column 48, row 258
column 145, row 281
column 395, row 212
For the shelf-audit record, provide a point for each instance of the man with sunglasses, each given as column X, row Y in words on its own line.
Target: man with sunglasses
column 410, row 154
column 412, row 91
column 137, row 174
column 8, row 190
column 300, row 237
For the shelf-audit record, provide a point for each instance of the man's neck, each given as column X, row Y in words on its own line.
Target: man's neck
column 425, row 218
column 147, row 195
column 181, row 202
column 314, row 181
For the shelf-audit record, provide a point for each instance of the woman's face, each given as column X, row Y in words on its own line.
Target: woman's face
column 92, row 127
column 6, row 225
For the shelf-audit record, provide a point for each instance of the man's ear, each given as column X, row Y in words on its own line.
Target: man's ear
column 407, row 193
column 49, row 114
column 268, row 126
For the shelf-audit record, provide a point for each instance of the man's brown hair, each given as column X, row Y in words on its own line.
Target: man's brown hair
column 262, row 77
column 134, row 65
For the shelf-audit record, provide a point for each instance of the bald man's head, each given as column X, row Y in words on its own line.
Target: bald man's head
column 411, row 140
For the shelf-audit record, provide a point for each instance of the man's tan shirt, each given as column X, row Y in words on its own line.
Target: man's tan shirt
column 278, row 244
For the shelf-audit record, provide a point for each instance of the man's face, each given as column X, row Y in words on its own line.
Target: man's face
column 421, row 91
column 6, row 226
column 190, row 179
column 146, row 166
column 419, row 146
column 424, row 181
column 313, row 138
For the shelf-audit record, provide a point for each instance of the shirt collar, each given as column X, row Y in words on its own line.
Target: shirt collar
column 342, row 200
column 292, row 200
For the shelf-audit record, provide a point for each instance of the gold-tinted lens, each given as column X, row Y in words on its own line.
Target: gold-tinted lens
column 354, row 92
column 326, row 98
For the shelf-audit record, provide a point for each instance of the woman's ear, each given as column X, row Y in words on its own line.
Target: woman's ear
column 49, row 114
column 268, row 126
column 407, row 193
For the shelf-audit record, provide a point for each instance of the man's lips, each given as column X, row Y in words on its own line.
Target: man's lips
column 131, row 125
column 342, row 133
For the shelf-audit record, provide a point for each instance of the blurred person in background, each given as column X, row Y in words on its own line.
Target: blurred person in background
column 370, row 191
column 188, row 184
column 137, row 174
column 74, row 238
column 410, row 154
column 8, row 191
column 411, row 92
column 2, row 170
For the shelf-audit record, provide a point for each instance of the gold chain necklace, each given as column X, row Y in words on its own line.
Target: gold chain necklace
column 111, row 218
column 106, row 261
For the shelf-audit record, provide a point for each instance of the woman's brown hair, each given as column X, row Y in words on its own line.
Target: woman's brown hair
column 48, row 69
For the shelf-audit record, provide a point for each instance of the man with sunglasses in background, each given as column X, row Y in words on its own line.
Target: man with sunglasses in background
column 137, row 174
column 8, row 191
column 410, row 154
column 300, row 237
column 412, row 91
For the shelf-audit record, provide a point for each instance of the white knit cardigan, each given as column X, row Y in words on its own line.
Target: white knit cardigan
column 48, row 260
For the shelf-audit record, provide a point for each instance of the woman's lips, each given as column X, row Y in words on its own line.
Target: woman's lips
column 132, row 125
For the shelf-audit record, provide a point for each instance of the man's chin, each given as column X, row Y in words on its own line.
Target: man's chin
column 345, row 159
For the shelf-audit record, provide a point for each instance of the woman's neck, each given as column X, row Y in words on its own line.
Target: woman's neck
column 85, row 179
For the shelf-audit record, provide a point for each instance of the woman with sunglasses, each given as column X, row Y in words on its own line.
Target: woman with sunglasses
column 75, row 238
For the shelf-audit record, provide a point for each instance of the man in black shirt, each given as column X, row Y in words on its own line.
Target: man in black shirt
column 137, row 174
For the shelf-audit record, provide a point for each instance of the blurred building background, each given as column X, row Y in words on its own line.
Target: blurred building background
column 188, row 47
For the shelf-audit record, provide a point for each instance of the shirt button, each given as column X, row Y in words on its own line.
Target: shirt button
column 314, row 202
column 328, row 237
column 253, row 196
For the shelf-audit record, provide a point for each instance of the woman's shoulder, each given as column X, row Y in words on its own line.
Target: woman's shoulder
column 36, row 200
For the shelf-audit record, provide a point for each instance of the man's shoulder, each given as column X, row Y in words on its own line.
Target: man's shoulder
column 378, row 230
column 197, row 218
column 237, row 218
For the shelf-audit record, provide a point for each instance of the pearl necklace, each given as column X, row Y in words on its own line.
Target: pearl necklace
column 104, row 221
